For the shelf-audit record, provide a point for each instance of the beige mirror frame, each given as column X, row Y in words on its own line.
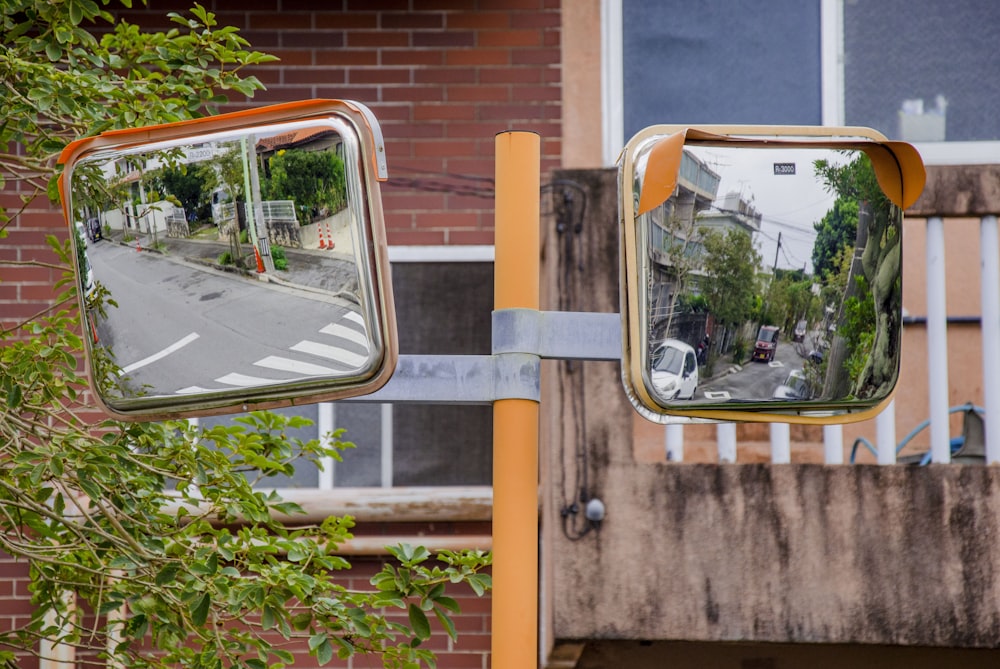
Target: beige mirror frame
column 650, row 183
column 362, row 299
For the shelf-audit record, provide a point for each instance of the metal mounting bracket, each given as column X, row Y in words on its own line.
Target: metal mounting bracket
column 521, row 338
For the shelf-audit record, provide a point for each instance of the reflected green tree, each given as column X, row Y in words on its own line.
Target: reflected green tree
column 868, row 315
column 731, row 267
column 191, row 185
column 314, row 180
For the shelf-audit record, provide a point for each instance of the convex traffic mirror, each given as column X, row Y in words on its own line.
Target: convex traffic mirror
column 761, row 271
column 233, row 262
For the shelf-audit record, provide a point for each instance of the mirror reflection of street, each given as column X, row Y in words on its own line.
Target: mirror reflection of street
column 829, row 231
column 751, row 380
column 183, row 327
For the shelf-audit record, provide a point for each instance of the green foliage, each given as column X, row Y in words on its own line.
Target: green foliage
column 857, row 327
column 229, row 168
column 62, row 82
column 163, row 529
column 789, row 300
column 160, row 528
column 870, row 291
column 692, row 304
column 740, row 350
column 191, row 185
column 278, row 256
column 731, row 266
column 837, row 229
column 853, row 183
column 314, row 180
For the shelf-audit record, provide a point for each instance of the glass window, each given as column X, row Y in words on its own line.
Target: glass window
column 441, row 308
column 922, row 71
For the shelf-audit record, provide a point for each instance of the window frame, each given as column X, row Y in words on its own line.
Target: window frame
column 451, row 502
column 832, row 101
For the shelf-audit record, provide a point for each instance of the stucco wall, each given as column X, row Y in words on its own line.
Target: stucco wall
column 792, row 553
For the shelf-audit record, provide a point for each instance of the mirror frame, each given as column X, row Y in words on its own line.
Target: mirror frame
column 899, row 169
column 372, row 170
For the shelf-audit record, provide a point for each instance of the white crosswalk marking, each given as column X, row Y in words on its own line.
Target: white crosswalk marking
column 350, row 329
column 190, row 390
column 356, row 317
column 294, row 366
column 244, row 381
column 350, row 334
column 337, row 353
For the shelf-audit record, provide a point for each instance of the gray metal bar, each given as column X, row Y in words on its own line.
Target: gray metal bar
column 459, row 379
column 521, row 337
column 563, row 335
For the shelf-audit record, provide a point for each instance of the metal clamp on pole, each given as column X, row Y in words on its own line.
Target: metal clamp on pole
column 460, row 379
column 562, row 335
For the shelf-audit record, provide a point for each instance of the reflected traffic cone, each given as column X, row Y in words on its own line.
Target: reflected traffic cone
column 330, row 235
column 137, row 247
column 260, row 261
column 322, row 241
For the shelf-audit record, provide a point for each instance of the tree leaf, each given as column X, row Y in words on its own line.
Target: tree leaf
column 418, row 621
column 199, row 609
column 446, row 623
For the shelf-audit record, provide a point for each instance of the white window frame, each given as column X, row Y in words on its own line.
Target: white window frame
column 833, row 104
column 327, row 410
column 386, row 503
column 832, row 90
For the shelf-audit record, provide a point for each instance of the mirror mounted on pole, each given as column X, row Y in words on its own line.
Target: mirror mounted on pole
column 761, row 271
column 233, row 262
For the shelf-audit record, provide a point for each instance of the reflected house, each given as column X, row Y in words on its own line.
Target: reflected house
column 674, row 245
column 732, row 211
column 676, row 248
column 132, row 209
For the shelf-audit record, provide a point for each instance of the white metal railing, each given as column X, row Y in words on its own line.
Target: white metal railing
column 937, row 340
column 279, row 211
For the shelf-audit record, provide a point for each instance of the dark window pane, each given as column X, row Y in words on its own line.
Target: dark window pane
column 443, row 308
column 720, row 62
column 362, row 466
column 921, row 70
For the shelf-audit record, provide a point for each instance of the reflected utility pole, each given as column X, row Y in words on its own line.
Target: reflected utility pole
column 254, row 207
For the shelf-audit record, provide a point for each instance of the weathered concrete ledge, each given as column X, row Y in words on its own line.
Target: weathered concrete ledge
column 959, row 190
column 787, row 553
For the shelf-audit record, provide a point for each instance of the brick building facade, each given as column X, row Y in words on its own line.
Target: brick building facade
column 443, row 78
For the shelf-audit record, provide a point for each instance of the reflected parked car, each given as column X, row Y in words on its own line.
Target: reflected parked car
column 82, row 235
column 767, row 343
column 675, row 370
column 800, row 331
column 795, row 387
column 89, row 287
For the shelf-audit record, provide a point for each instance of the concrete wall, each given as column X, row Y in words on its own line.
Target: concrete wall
column 794, row 553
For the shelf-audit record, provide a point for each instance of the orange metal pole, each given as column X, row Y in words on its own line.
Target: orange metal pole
column 515, row 421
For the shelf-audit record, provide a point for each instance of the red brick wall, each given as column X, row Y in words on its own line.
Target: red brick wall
column 15, row 608
column 443, row 76
column 26, row 290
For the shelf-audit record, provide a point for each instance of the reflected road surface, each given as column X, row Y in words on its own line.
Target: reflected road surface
column 755, row 380
column 181, row 328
